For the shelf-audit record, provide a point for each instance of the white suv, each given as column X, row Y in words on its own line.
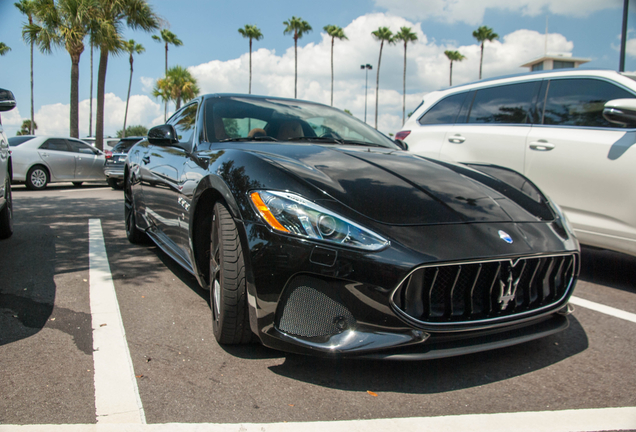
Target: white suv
column 572, row 132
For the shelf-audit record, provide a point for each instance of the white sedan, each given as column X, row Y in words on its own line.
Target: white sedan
column 43, row 160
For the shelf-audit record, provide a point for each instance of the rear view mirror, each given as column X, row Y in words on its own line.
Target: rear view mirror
column 7, row 100
column 162, row 135
column 621, row 112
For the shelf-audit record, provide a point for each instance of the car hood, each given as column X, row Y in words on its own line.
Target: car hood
column 397, row 187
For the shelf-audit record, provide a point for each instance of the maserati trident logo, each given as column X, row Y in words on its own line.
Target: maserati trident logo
column 505, row 236
column 507, row 289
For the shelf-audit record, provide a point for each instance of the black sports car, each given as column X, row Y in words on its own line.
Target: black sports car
column 320, row 235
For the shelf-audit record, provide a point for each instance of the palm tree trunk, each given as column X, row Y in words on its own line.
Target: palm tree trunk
column 451, row 74
column 32, row 125
column 101, row 86
column 404, row 87
column 295, row 67
column 123, row 134
column 332, row 41
column 90, row 111
column 377, row 85
column 250, row 87
column 74, row 120
column 165, row 103
column 481, row 59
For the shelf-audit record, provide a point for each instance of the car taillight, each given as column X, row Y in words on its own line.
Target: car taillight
column 401, row 135
column 108, row 154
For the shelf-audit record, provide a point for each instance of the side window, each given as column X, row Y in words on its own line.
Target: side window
column 79, row 147
column 183, row 122
column 579, row 102
column 55, row 144
column 444, row 111
column 507, row 104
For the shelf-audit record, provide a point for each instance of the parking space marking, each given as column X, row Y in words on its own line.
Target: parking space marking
column 116, row 394
column 546, row 421
column 603, row 309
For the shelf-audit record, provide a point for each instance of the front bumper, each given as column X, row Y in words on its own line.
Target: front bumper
column 316, row 299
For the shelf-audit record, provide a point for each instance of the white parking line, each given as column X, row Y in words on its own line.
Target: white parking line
column 82, row 190
column 116, row 394
column 617, row 313
column 545, row 421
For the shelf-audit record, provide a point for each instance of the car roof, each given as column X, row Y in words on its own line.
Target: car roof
column 39, row 139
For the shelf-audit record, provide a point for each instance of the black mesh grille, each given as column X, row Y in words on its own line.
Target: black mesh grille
column 306, row 310
column 473, row 291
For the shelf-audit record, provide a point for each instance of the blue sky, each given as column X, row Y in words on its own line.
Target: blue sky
column 217, row 54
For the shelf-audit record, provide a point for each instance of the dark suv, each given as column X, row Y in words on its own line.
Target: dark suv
column 7, row 103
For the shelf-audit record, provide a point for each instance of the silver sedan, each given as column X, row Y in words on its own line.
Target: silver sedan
column 42, row 160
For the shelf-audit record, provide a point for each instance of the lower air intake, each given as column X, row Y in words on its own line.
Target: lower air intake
column 307, row 311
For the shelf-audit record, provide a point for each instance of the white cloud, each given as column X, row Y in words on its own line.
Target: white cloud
column 427, row 68
column 147, row 84
column 472, row 11
column 273, row 74
column 54, row 119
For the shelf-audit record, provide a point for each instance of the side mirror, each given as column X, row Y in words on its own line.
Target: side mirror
column 163, row 135
column 7, row 100
column 621, row 112
column 402, row 144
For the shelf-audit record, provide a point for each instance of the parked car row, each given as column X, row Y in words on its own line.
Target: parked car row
column 572, row 132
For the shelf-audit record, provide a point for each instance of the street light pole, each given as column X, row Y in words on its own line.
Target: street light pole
column 367, row 67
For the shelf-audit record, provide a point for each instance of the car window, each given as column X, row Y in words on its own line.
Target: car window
column 17, row 140
column 58, row 144
column 80, row 147
column 124, row 146
column 579, row 102
column 183, row 122
column 508, row 104
column 444, row 111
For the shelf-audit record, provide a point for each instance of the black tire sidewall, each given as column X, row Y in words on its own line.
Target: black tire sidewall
column 30, row 185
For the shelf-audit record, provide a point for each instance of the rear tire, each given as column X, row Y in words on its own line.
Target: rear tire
column 228, row 291
column 113, row 183
column 134, row 234
column 37, row 178
column 6, row 214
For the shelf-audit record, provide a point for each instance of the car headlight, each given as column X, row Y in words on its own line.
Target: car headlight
column 292, row 214
column 561, row 217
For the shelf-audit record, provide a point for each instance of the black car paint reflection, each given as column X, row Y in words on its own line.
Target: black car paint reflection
column 298, row 291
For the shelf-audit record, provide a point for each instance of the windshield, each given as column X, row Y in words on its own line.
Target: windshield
column 17, row 140
column 236, row 118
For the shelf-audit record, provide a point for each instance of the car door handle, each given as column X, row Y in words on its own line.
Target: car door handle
column 146, row 160
column 541, row 145
column 456, row 139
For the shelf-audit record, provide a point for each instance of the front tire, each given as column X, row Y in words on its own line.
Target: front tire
column 134, row 234
column 6, row 214
column 228, row 291
column 37, row 178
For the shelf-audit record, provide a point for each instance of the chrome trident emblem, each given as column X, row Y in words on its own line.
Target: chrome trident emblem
column 507, row 290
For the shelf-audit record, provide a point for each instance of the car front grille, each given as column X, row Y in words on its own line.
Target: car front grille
column 471, row 292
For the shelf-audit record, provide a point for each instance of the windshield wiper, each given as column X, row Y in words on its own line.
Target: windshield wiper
column 254, row 138
column 362, row 143
column 316, row 138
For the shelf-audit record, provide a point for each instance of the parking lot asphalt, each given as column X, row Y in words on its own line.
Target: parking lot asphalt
column 47, row 335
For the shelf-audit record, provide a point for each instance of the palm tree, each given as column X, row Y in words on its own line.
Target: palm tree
column 66, row 23
column 483, row 34
column 297, row 27
column 109, row 20
column 130, row 47
column 4, row 49
column 453, row 56
column 406, row 35
column 27, row 127
column 178, row 85
column 336, row 33
column 169, row 38
column 253, row 33
column 27, row 7
column 383, row 34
